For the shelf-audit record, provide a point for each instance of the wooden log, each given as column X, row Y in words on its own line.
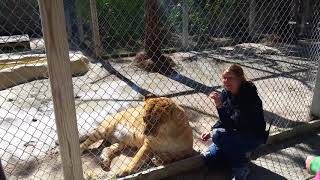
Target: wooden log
column 168, row 170
column 55, row 37
column 196, row 162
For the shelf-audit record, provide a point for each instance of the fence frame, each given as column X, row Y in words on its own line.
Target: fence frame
column 185, row 25
column 95, row 28
column 315, row 106
column 57, row 51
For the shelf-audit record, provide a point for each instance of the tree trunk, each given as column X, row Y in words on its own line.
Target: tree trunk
column 152, row 42
column 152, row 58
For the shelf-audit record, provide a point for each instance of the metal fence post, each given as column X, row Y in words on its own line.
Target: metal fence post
column 252, row 18
column 185, row 24
column 95, row 27
column 315, row 106
column 56, row 44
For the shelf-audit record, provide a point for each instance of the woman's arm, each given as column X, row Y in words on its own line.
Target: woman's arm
column 224, row 112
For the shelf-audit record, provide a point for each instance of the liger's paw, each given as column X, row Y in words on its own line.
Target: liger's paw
column 83, row 149
column 123, row 173
column 157, row 161
column 105, row 165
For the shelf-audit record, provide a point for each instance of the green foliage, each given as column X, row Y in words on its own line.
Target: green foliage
column 124, row 18
column 119, row 20
column 174, row 17
column 122, row 21
column 204, row 13
column 83, row 8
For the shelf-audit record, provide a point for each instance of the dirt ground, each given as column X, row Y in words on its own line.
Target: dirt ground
column 28, row 149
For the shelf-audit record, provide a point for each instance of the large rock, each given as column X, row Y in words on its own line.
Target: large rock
column 254, row 48
column 17, row 71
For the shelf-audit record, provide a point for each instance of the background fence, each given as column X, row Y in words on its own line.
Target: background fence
column 122, row 50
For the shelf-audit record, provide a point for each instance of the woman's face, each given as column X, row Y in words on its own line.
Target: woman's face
column 231, row 82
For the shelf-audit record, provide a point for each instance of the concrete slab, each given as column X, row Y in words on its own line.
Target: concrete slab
column 28, row 67
column 14, row 43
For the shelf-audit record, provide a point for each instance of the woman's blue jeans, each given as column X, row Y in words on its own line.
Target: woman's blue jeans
column 230, row 148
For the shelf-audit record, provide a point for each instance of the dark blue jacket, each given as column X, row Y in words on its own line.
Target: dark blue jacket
column 242, row 112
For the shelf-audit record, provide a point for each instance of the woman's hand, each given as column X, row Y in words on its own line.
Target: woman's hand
column 205, row 136
column 216, row 98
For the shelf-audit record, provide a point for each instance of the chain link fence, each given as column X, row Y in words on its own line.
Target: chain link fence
column 122, row 51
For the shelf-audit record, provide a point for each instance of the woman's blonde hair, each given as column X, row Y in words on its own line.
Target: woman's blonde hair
column 236, row 70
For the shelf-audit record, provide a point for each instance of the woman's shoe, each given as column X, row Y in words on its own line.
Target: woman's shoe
column 240, row 173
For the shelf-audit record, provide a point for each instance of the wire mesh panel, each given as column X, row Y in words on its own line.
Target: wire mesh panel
column 27, row 128
column 125, row 55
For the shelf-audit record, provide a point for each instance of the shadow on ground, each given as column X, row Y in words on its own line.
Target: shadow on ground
column 261, row 173
column 279, row 121
column 286, row 158
column 257, row 172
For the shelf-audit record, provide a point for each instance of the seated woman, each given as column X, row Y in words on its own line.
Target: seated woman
column 241, row 126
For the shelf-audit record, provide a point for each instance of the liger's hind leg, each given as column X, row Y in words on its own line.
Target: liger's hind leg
column 99, row 134
column 109, row 153
column 140, row 157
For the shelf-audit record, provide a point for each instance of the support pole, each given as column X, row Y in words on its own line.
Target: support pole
column 185, row 24
column 252, row 18
column 305, row 16
column 315, row 106
column 80, row 20
column 80, row 28
column 57, row 50
column 315, row 55
column 95, row 27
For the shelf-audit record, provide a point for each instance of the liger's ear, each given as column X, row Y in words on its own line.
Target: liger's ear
column 148, row 96
column 177, row 111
